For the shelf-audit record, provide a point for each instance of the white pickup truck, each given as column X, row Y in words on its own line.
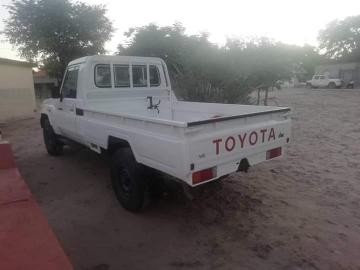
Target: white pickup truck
column 323, row 81
column 125, row 106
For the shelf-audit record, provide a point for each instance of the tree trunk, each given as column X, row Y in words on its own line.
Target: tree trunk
column 258, row 96
column 266, row 95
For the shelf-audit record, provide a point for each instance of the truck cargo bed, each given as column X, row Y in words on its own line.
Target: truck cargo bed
column 185, row 114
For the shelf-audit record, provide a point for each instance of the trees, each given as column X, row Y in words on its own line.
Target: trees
column 267, row 64
column 197, row 67
column 341, row 39
column 307, row 58
column 54, row 32
column 202, row 71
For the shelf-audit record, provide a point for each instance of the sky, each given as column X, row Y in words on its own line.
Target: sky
column 294, row 22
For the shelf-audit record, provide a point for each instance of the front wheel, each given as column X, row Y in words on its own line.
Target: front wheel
column 53, row 146
column 127, row 178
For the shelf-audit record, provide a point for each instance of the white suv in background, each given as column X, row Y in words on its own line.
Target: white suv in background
column 323, row 81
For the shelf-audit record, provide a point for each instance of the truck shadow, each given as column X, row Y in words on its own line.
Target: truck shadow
column 216, row 202
column 212, row 203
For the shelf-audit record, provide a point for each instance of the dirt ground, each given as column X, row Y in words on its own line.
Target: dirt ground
column 300, row 212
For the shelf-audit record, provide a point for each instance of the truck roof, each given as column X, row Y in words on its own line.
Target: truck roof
column 107, row 58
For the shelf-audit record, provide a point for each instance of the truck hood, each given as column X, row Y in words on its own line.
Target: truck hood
column 47, row 101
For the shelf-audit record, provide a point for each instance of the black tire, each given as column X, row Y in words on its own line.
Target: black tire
column 331, row 85
column 53, row 146
column 128, row 181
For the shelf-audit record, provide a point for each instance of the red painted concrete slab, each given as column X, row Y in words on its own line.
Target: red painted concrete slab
column 12, row 187
column 26, row 240
column 6, row 156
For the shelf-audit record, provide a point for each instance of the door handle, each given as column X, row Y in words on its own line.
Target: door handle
column 60, row 109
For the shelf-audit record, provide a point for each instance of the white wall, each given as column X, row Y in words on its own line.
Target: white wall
column 17, row 96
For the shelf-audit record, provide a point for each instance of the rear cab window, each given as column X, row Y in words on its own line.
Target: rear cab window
column 103, row 76
column 139, row 75
column 154, row 75
column 316, row 77
column 121, row 75
column 127, row 75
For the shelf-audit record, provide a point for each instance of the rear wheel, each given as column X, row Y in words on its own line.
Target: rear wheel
column 308, row 85
column 127, row 180
column 53, row 146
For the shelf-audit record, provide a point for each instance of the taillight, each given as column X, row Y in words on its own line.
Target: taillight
column 201, row 176
column 273, row 153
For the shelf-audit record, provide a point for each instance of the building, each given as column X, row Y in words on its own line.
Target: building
column 45, row 86
column 346, row 71
column 17, row 98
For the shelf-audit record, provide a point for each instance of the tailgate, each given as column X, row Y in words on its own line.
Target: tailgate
column 230, row 140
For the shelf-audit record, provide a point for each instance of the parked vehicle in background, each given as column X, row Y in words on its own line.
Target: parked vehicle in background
column 323, row 81
column 350, row 84
column 125, row 106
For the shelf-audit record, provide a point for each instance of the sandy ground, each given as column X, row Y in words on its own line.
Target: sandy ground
column 300, row 212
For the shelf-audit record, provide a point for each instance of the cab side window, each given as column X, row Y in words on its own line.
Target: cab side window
column 154, row 76
column 316, row 77
column 103, row 76
column 69, row 87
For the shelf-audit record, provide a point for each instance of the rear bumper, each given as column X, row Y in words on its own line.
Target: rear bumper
column 234, row 165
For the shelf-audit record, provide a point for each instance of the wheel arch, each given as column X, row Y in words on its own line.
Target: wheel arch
column 43, row 117
column 114, row 143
